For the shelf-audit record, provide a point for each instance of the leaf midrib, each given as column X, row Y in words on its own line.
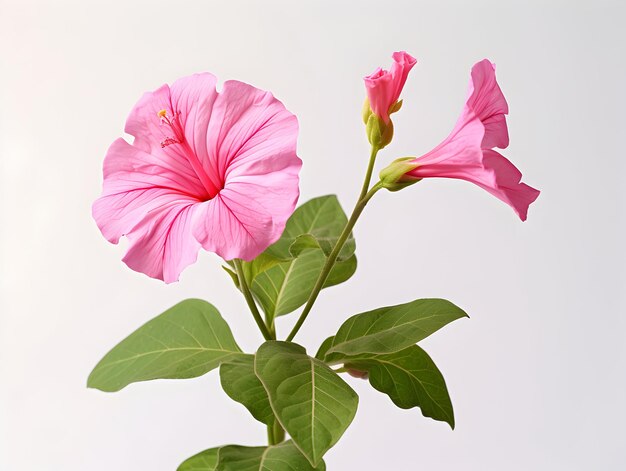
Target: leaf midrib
column 335, row 348
column 196, row 349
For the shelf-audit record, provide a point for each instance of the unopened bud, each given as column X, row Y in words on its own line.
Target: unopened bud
column 394, row 177
column 357, row 373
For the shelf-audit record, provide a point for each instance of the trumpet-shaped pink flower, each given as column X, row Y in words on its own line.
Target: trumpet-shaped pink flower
column 467, row 153
column 384, row 87
column 206, row 169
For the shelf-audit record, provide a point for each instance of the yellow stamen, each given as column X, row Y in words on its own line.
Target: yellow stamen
column 162, row 113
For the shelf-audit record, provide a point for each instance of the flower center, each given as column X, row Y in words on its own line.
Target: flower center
column 174, row 125
column 177, row 136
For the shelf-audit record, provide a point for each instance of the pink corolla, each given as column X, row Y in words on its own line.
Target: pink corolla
column 205, row 169
column 467, row 153
column 384, row 87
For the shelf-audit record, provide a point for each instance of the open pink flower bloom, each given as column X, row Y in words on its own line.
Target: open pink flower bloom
column 384, row 87
column 206, row 169
column 467, row 153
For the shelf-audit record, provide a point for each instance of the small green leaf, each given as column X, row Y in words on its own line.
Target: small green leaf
column 320, row 222
column 286, row 286
column 282, row 457
column 391, row 329
column 326, row 344
column 241, row 384
column 410, row 378
column 282, row 278
column 309, row 399
column 186, row 341
column 204, row 461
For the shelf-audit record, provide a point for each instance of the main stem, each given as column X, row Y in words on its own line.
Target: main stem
column 275, row 433
column 368, row 174
column 332, row 258
column 250, row 300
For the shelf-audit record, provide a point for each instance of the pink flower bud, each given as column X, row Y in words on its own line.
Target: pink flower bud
column 384, row 87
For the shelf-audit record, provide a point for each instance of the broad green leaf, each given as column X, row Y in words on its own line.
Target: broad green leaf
column 282, row 457
column 318, row 222
column 241, row 384
column 186, row 341
column 204, row 461
column 309, row 399
column 287, row 286
column 410, row 378
column 391, row 329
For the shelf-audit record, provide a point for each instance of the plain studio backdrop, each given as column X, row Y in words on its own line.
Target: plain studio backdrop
column 537, row 375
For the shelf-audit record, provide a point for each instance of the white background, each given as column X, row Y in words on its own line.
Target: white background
column 537, row 375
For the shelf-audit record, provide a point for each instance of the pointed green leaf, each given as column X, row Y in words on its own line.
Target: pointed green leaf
column 241, row 384
column 282, row 457
column 309, row 399
column 318, row 222
column 286, row 286
column 391, row 329
column 326, row 344
column 204, row 461
column 410, row 378
column 186, row 341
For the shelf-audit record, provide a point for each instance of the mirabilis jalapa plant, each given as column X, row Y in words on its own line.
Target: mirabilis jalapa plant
column 219, row 171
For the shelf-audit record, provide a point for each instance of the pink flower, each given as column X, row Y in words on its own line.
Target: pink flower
column 206, row 169
column 467, row 153
column 384, row 87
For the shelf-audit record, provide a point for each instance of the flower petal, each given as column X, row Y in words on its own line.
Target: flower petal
column 254, row 144
column 162, row 244
column 135, row 183
column 508, row 186
column 487, row 101
column 233, row 225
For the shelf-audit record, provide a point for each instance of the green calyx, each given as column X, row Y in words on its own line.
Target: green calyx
column 378, row 132
column 394, row 177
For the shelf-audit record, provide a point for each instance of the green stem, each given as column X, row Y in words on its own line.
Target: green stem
column 332, row 258
column 250, row 300
column 368, row 174
column 275, row 433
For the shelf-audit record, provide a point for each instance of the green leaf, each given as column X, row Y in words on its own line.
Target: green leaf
column 309, row 399
column 391, row 329
column 204, row 461
column 282, row 278
column 326, row 344
column 287, row 286
column 282, row 457
column 186, row 341
column 241, row 384
column 410, row 378
column 318, row 222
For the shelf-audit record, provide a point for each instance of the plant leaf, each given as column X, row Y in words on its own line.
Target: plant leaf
column 318, row 222
column 326, row 344
column 391, row 329
column 186, row 341
column 410, row 378
column 282, row 457
column 312, row 403
column 204, row 461
column 241, row 384
column 286, row 286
